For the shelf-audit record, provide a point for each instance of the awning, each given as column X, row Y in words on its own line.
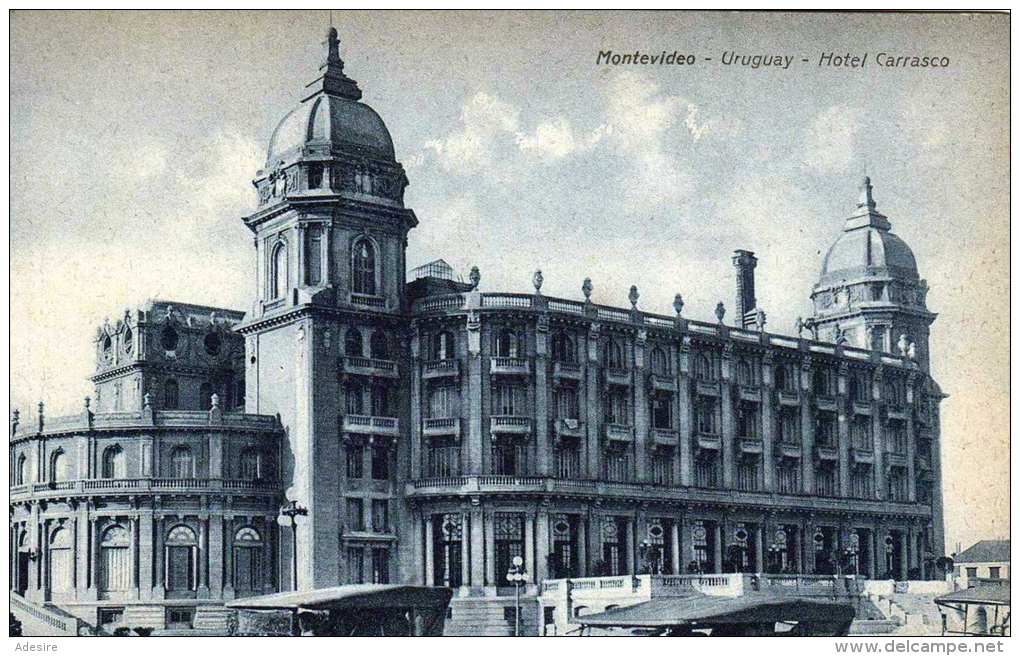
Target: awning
column 702, row 609
column 351, row 596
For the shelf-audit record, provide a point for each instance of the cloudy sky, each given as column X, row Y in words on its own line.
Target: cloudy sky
column 134, row 137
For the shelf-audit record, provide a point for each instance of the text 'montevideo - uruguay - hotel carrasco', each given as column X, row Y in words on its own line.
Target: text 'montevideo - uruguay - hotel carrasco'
column 434, row 431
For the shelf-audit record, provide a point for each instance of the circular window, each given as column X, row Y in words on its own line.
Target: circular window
column 655, row 531
column 212, row 343
column 128, row 340
column 169, row 339
column 741, row 534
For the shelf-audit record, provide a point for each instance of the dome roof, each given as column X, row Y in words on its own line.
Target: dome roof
column 331, row 119
column 867, row 247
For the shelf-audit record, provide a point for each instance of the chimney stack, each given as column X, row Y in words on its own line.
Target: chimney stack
column 745, row 262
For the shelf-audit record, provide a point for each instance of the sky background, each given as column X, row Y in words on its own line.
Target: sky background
column 134, row 138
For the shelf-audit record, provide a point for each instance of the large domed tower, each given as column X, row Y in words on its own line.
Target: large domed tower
column 325, row 335
column 869, row 293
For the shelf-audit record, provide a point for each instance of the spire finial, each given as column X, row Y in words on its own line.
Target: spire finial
column 866, row 199
column 333, row 45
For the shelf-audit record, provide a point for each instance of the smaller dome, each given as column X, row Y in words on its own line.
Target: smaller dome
column 331, row 119
column 869, row 248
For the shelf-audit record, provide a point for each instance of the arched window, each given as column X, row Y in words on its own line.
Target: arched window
column 127, row 340
column 181, row 463
column 379, row 345
column 705, row 370
column 59, row 466
column 363, row 267
column 61, row 563
column 251, row 464
column 442, row 346
column 113, row 462
column 506, row 344
column 205, row 392
column 115, row 559
column 21, row 476
column 563, row 348
column 181, row 563
column 278, row 274
column 380, row 401
column 171, row 395
column 745, row 375
column 247, row 561
column 614, row 355
column 660, row 364
column 355, row 402
column 781, row 378
column 353, row 344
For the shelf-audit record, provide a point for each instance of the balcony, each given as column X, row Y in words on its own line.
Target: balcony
column 142, row 485
column 358, row 366
column 709, row 387
column 619, row 377
column 863, row 456
column 440, row 369
column 750, row 393
column 826, row 452
column 897, row 411
column 923, row 462
column 618, row 433
column 568, row 428
column 788, row 449
column 368, row 300
column 370, row 425
column 662, row 383
column 441, row 427
column 707, row 442
column 750, row 445
column 895, row 458
column 788, row 398
column 509, row 425
column 825, row 402
column 861, row 408
column 664, row 436
column 566, row 371
column 509, row 366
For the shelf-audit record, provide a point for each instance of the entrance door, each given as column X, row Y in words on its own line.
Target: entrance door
column 23, row 562
column 179, row 566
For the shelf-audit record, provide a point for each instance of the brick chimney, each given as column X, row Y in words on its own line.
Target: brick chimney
column 745, row 262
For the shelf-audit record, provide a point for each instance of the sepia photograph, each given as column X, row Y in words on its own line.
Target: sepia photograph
column 519, row 323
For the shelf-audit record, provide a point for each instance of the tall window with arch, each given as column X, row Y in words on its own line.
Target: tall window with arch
column 60, row 466
column 313, row 255
column 182, row 464
column 379, row 345
column 61, row 561
column 507, row 345
column 354, row 346
column 659, row 361
column 381, row 400
column 563, row 348
column 181, row 560
column 251, row 464
column 278, row 271
column 171, row 395
column 442, row 346
column 614, row 355
column 21, row 474
column 205, row 392
column 115, row 559
column 704, row 368
column 114, row 462
column 363, row 267
column 247, row 561
column 745, row 372
column 354, row 401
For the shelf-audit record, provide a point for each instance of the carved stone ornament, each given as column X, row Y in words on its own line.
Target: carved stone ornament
column 678, row 304
column 537, row 280
column 586, row 289
column 720, row 311
column 903, row 345
column 633, row 296
column 475, row 277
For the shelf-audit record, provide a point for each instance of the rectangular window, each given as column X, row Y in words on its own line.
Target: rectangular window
column 617, row 465
column 355, row 514
column 380, row 515
column 508, row 400
column 862, row 482
column 747, row 476
column 861, row 433
column 355, row 565
column 706, row 472
column 315, row 176
column 568, row 462
column 972, row 572
column 313, row 253
column 993, row 572
column 825, row 428
column 705, row 412
column 380, row 565
column 441, row 402
column 566, row 403
column 617, row 410
column 662, row 467
column 443, row 459
column 380, row 463
column 789, row 476
column 747, row 420
column 355, row 460
column 180, row 618
column 662, row 411
column 826, row 481
column 509, row 459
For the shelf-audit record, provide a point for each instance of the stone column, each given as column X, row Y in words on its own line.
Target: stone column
column 159, row 583
column 541, row 544
column 869, row 548
column 768, row 424
column 475, row 438
column 686, row 544
column 477, row 547
column 416, row 385
column 878, row 430
column 530, row 566
column 465, row 551
column 430, row 558
column 904, row 554
column 594, row 538
column 802, row 543
column 843, row 420
column 718, row 547
column 911, row 462
column 641, row 422
column 215, row 557
column 759, row 551
column 301, row 280
column 632, row 545
column 807, row 429
column 133, row 523
column 203, row 557
column 94, row 557
column 594, row 404
column 582, row 545
column 490, row 550
column 729, row 428
column 542, row 396
column 227, row 530
column 675, row 545
column 81, row 549
column 684, row 470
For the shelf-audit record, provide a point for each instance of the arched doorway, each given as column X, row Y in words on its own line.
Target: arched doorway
column 61, row 562
column 247, row 562
column 181, row 562
column 115, row 560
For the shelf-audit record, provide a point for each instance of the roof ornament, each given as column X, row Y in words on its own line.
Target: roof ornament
column 866, row 199
column 537, row 280
column 678, row 304
column 799, row 326
column 633, row 296
column 332, row 44
column 586, row 289
column 475, row 277
column 720, row 311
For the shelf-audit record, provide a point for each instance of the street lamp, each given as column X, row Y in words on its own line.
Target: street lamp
column 292, row 509
column 517, row 576
column 775, row 561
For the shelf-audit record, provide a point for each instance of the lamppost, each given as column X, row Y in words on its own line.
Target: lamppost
column 517, row 576
column 775, row 562
column 649, row 553
column 292, row 509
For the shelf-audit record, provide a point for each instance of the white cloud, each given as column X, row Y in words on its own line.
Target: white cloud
column 831, row 142
column 485, row 122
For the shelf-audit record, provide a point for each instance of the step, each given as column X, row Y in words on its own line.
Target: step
column 873, row 627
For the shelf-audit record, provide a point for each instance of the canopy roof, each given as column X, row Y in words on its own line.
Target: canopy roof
column 364, row 595
column 704, row 609
column 991, row 595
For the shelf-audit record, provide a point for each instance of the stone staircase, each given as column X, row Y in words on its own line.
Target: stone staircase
column 918, row 614
column 490, row 616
